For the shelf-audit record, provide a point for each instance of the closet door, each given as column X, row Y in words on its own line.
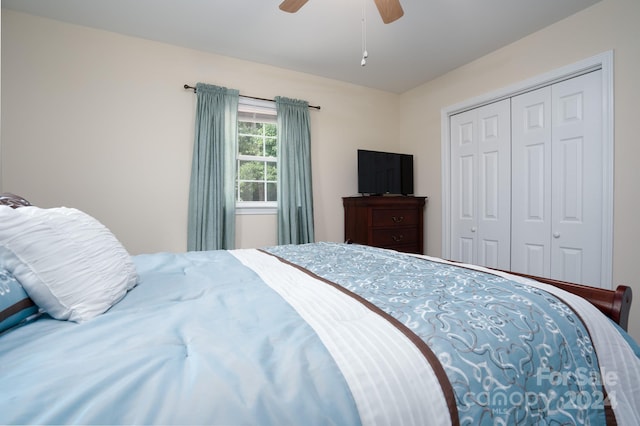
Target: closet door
column 480, row 182
column 577, row 173
column 558, row 181
column 531, row 183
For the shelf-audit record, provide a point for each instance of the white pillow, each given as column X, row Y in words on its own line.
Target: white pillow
column 70, row 264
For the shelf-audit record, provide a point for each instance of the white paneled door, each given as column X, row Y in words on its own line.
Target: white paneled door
column 558, row 180
column 531, row 183
column 527, row 182
column 480, row 182
column 528, row 176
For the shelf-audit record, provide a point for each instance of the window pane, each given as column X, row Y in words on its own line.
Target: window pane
column 271, row 147
column 272, row 171
column 250, row 145
column 251, row 191
column 251, row 170
column 250, row 128
column 272, row 191
column 270, row 130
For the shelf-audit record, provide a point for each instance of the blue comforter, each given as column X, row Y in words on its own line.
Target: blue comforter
column 201, row 340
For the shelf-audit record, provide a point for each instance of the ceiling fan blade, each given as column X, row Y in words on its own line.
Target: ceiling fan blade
column 390, row 10
column 292, row 6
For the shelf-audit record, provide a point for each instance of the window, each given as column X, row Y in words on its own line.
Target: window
column 257, row 159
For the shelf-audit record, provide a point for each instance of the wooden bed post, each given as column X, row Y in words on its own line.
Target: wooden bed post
column 622, row 305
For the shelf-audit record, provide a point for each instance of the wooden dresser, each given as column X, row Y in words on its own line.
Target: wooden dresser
column 395, row 222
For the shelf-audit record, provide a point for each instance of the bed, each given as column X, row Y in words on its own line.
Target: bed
column 322, row 333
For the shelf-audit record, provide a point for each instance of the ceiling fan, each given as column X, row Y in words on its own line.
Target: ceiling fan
column 390, row 10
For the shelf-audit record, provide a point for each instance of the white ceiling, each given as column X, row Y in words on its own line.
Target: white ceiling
column 325, row 37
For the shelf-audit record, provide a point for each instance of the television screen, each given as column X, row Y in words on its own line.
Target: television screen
column 384, row 173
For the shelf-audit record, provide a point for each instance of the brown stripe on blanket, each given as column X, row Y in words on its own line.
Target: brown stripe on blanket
column 15, row 308
column 426, row 351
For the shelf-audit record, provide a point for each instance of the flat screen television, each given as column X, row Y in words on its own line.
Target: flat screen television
column 384, row 173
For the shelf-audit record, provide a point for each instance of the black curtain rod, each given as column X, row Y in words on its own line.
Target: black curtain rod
column 186, row 86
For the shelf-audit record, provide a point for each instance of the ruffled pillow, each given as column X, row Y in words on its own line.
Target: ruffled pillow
column 70, row 264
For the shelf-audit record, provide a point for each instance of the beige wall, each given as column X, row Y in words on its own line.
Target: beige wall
column 100, row 121
column 608, row 25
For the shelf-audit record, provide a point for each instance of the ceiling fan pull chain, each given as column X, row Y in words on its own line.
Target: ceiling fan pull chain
column 365, row 54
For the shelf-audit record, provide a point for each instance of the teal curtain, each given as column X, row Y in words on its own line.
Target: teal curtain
column 295, row 200
column 211, row 221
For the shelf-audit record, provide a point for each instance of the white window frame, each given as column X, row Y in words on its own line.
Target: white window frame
column 263, row 107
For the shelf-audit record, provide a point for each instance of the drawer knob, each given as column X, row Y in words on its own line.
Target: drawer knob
column 397, row 219
column 397, row 238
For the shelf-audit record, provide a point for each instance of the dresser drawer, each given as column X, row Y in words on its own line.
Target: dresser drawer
column 394, row 217
column 389, row 222
column 394, row 237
